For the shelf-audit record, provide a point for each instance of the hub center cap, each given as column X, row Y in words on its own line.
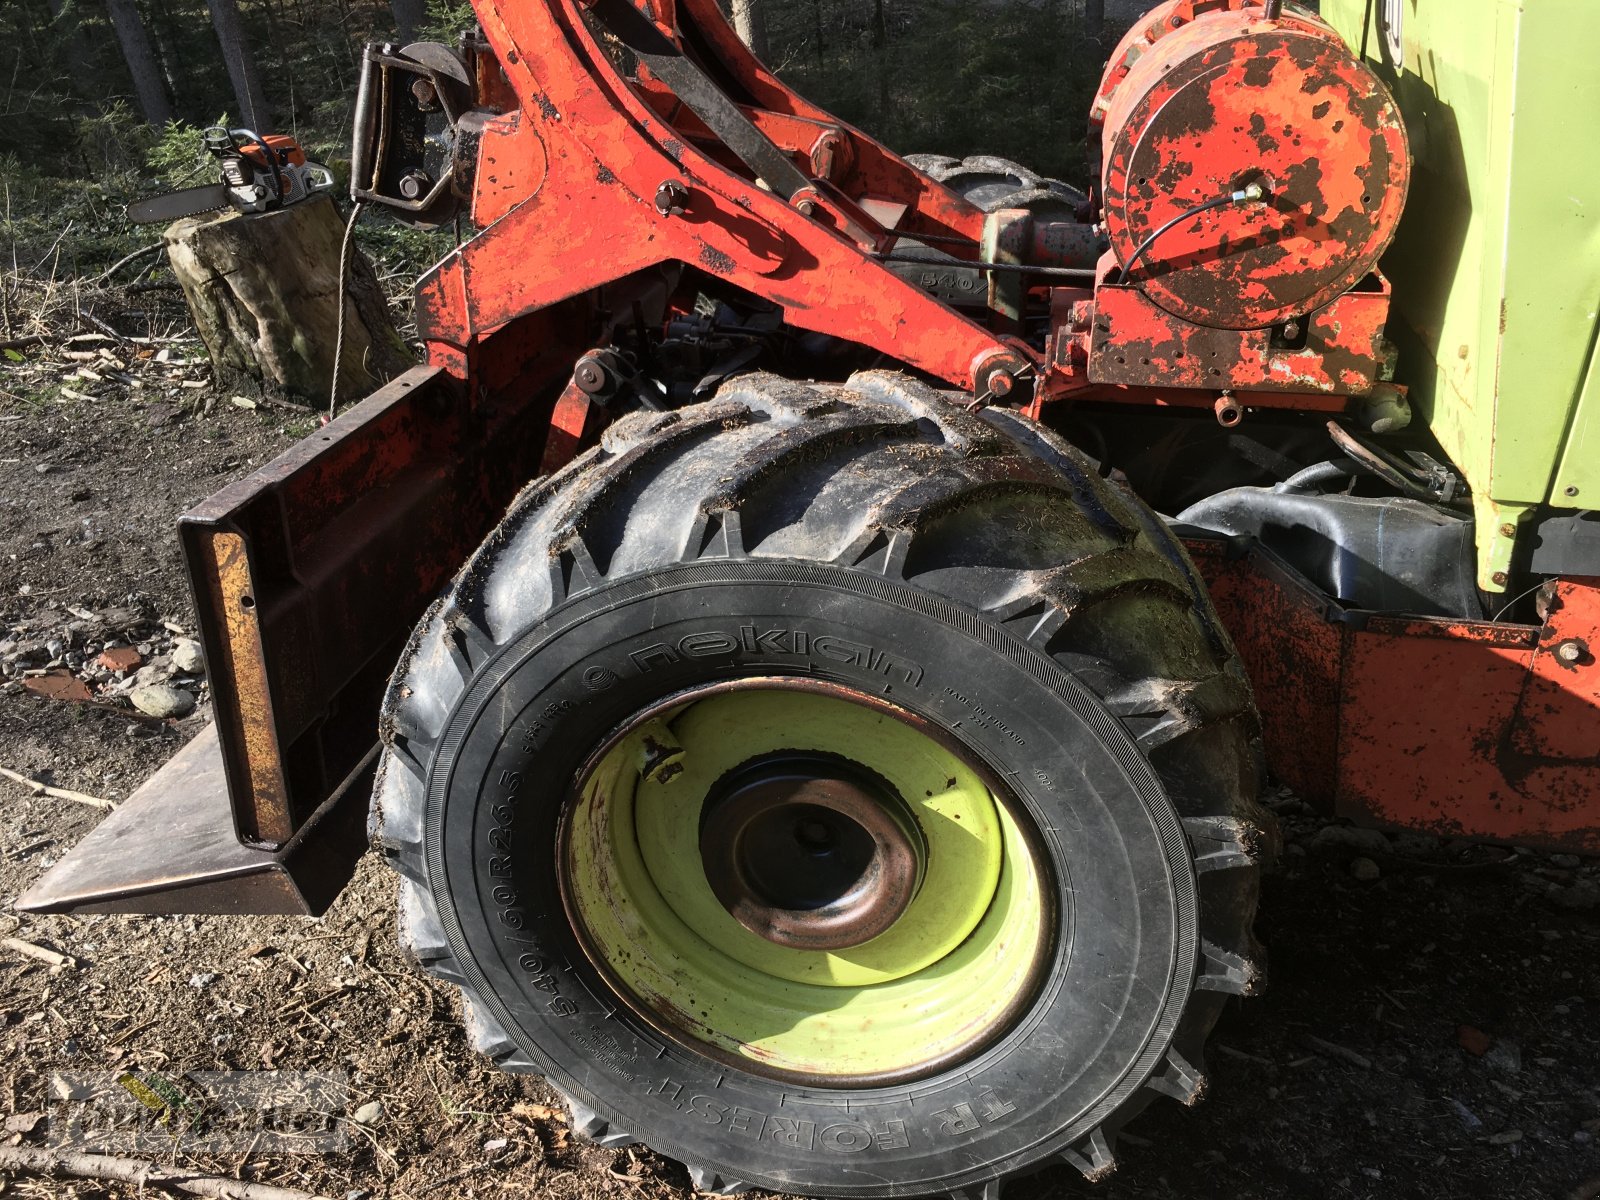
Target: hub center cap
column 810, row 852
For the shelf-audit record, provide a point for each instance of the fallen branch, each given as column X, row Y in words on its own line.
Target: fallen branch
column 55, row 793
column 43, row 953
column 104, row 327
column 1343, row 1053
column 272, row 402
column 142, row 1174
column 125, row 260
column 22, row 343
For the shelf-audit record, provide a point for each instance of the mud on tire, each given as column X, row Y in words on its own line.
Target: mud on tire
column 973, row 571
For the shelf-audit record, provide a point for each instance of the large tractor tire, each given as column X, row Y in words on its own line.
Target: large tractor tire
column 841, row 793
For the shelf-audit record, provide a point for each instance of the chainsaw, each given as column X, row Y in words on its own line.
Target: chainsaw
column 258, row 173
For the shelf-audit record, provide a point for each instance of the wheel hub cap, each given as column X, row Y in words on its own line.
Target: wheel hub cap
column 804, row 851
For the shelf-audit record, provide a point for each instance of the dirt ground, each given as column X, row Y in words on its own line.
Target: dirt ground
column 1430, row 1032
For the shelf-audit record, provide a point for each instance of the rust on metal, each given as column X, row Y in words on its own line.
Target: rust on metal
column 309, row 574
column 1220, row 99
column 600, row 154
column 807, row 852
column 1460, row 728
column 1338, row 348
column 221, row 580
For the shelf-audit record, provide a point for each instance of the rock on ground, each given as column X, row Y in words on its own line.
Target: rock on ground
column 162, row 700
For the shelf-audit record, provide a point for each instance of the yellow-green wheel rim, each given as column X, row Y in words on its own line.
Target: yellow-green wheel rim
column 938, row 984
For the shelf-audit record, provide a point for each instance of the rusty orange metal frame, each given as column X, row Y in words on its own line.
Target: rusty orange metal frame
column 1469, row 729
column 570, row 185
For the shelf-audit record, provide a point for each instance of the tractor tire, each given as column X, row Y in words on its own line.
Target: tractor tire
column 843, row 794
column 995, row 183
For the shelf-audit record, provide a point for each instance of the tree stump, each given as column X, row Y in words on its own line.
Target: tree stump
column 263, row 289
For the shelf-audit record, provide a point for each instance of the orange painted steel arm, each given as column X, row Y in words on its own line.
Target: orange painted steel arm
column 596, row 155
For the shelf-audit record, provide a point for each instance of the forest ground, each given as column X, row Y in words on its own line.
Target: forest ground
column 1432, row 1032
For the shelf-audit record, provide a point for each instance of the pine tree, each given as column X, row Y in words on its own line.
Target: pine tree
column 241, row 63
column 141, row 60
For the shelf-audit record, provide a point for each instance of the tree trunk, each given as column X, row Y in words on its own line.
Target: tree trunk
column 162, row 24
column 141, row 60
column 236, row 53
column 408, row 17
column 880, row 55
column 264, row 292
column 1094, row 19
column 751, row 24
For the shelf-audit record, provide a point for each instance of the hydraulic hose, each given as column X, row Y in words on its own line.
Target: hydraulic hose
column 1252, row 194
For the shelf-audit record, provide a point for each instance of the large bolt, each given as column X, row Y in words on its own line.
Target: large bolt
column 996, row 374
column 1570, row 652
column 590, row 375
column 414, row 184
column 672, row 199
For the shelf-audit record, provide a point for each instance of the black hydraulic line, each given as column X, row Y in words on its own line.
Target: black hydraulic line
column 1391, row 472
column 1310, row 477
column 1252, row 194
column 1081, row 274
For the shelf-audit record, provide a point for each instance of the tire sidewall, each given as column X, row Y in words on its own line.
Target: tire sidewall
column 1123, row 958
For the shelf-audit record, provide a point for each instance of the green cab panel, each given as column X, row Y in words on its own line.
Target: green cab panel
column 1496, row 266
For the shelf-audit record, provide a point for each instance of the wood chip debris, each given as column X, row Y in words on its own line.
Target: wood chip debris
column 537, row 1112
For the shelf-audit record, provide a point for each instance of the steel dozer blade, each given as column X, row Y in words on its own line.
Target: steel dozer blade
column 308, row 576
column 171, row 848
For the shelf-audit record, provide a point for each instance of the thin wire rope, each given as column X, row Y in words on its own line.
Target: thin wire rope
column 344, row 300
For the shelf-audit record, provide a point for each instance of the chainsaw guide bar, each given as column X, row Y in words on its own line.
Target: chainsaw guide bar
column 190, row 202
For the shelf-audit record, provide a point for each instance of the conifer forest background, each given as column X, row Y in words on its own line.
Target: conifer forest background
column 102, row 101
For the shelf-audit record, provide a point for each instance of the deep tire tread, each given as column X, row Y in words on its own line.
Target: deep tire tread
column 1118, row 575
column 1093, row 1155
